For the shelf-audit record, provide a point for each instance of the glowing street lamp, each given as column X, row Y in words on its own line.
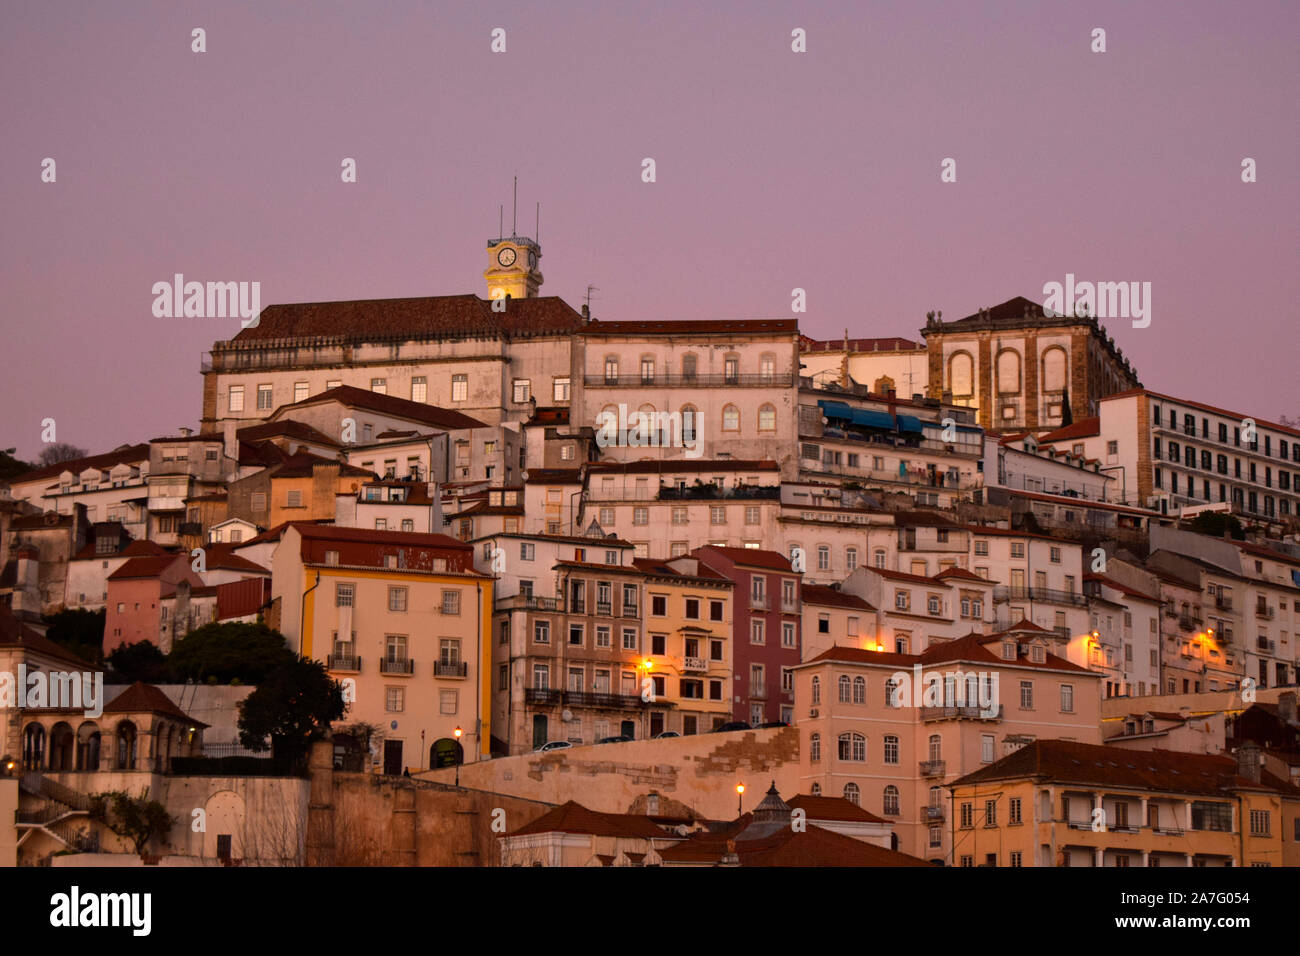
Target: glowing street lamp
column 458, row 733
column 740, row 792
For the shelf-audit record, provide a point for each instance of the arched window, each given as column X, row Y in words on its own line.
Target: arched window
column 1008, row 372
column 891, row 749
column 891, row 801
column 647, row 369
column 1054, row 369
column 766, row 367
column 853, row 794
column 961, row 375
column 767, row 418
column 816, row 789
column 731, row 369
column 879, row 557
column 852, row 747
column 844, row 688
column 851, row 559
column 731, row 419
column 690, row 422
column 611, row 369
column 815, row 747
column 126, row 745
column 816, row 691
column 646, row 426
column 34, row 747
column 882, row 385
column 936, row 747
column 859, row 690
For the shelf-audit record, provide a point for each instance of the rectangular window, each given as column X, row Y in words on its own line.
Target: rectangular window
column 235, row 398
column 379, row 386
column 459, row 388
column 560, row 389
column 300, row 391
column 344, row 595
column 397, row 599
column 263, row 397
column 522, row 390
column 450, row 602
column 419, row 389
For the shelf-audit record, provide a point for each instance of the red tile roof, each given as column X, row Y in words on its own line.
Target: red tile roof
column 692, row 327
column 572, row 817
column 14, row 633
column 104, row 462
column 1212, row 409
column 1122, row 588
column 682, row 466
column 1083, row 428
column 832, row 808
column 888, row 344
column 1062, row 761
column 321, row 532
column 351, row 397
column 747, row 557
column 142, row 698
column 445, row 316
column 145, row 567
column 830, row 597
column 286, row 428
column 221, row 556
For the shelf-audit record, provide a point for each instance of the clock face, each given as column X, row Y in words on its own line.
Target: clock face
column 532, row 259
column 506, row 256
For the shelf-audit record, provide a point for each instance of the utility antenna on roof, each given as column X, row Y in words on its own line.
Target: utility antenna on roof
column 537, row 236
column 501, row 222
column 514, row 212
column 590, row 290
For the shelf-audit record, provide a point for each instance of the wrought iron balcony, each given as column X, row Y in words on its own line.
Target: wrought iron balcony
column 931, row 813
column 401, row 666
column 972, row 712
column 933, row 768
column 697, row 380
column 341, row 662
column 542, row 695
column 450, row 669
column 1264, row 612
column 695, row 665
column 1003, row 593
column 603, row 701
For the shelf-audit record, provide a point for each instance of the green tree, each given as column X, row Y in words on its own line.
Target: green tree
column 80, row 631
column 1214, row 523
column 294, row 706
column 139, row 661
column 226, row 652
column 137, row 819
column 11, row 467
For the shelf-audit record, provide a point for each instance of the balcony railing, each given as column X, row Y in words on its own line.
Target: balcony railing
column 1223, row 603
column 405, row 666
column 343, row 662
column 676, row 380
column 758, row 603
column 190, row 527
column 529, row 602
column 711, row 492
column 695, row 664
column 542, row 695
column 757, row 692
column 1265, row 612
column 931, row 813
column 631, row 610
column 1264, row 644
column 450, row 669
column 1050, row 595
column 577, row 698
column 933, row 768
column 973, row 712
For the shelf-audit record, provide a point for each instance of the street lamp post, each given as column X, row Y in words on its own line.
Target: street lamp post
column 458, row 733
column 740, row 793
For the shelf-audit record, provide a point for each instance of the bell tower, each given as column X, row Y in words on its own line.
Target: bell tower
column 512, row 268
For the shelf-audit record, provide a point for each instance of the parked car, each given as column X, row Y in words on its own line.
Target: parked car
column 553, row 745
column 614, row 740
column 732, row 725
column 773, row 723
column 666, row 734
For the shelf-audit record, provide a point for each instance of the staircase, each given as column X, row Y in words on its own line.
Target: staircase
column 57, row 814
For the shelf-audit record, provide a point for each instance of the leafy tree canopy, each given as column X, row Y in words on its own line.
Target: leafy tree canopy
column 228, row 652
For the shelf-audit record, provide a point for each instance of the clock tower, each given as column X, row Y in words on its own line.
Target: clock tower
column 512, row 268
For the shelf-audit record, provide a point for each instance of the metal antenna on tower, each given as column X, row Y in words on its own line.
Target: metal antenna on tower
column 590, row 290
column 514, row 212
column 538, row 232
column 501, row 222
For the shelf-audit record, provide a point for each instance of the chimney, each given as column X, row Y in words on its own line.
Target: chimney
column 1286, row 707
column 1249, row 757
column 185, row 431
column 586, row 312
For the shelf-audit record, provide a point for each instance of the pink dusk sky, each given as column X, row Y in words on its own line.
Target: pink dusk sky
column 775, row 170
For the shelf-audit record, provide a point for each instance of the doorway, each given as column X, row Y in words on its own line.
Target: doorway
column 393, row 758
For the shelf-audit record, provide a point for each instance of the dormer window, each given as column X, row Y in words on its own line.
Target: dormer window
column 1130, row 727
column 1148, row 726
column 1036, row 654
column 1008, row 650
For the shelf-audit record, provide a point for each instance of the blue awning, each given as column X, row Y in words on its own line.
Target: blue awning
column 1295, row 576
column 835, row 409
column 870, row 419
column 907, row 423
